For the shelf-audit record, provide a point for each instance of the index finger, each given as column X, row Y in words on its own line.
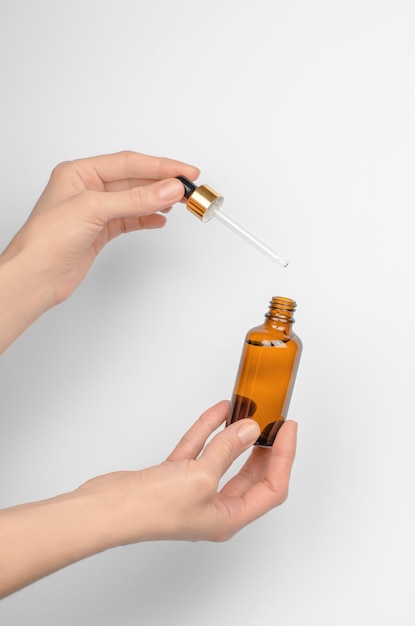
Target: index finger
column 227, row 445
column 194, row 440
column 129, row 164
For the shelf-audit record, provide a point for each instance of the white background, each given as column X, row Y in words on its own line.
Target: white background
column 302, row 115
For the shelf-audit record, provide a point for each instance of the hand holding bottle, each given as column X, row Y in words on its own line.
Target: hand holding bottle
column 178, row 499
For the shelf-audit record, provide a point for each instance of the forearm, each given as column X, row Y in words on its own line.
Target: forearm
column 23, row 297
column 40, row 538
column 176, row 500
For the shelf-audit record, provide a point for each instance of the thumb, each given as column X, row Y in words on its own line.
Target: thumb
column 226, row 446
column 135, row 202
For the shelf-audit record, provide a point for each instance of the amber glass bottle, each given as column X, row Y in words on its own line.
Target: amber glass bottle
column 267, row 371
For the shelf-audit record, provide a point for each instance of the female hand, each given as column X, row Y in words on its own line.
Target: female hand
column 179, row 499
column 86, row 203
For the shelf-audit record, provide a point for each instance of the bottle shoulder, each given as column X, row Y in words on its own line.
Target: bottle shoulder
column 267, row 334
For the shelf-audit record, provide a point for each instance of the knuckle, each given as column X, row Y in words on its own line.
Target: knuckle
column 161, row 166
column 129, row 162
column 61, row 169
column 88, row 200
column 280, row 491
column 229, row 450
column 283, row 494
column 187, row 444
column 140, row 198
column 221, row 534
column 205, row 481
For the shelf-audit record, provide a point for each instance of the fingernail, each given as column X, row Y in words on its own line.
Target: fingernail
column 248, row 432
column 171, row 190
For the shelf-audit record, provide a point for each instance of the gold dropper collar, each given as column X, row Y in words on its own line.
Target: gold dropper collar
column 202, row 201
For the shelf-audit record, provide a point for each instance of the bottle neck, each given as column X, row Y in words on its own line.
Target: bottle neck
column 281, row 314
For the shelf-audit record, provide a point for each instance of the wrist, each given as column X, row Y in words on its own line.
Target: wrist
column 126, row 509
column 116, row 510
column 23, row 296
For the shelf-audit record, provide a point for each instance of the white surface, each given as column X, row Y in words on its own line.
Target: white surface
column 302, row 115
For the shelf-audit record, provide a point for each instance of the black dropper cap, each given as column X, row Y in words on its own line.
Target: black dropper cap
column 189, row 187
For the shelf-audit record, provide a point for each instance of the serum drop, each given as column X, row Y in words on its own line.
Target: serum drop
column 267, row 371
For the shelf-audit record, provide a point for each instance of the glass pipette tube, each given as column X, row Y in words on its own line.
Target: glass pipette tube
column 240, row 230
column 206, row 203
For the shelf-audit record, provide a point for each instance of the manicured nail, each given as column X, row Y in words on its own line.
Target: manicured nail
column 248, row 432
column 171, row 190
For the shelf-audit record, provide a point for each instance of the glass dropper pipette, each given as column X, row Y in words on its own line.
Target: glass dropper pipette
column 205, row 203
